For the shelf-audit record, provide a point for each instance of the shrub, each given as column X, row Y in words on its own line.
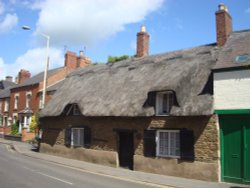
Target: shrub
column 14, row 129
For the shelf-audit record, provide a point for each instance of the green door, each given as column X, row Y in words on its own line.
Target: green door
column 235, row 137
column 247, row 154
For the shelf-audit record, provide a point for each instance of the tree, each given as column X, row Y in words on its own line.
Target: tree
column 112, row 59
column 34, row 123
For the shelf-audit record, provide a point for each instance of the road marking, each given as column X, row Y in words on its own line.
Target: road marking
column 116, row 177
column 58, row 179
column 27, row 168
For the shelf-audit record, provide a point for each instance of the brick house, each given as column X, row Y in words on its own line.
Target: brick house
column 5, row 86
column 26, row 96
column 232, row 100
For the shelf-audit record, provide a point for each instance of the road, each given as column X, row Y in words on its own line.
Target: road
column 19, row 171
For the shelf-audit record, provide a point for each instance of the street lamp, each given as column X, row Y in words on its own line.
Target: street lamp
column 46, row 64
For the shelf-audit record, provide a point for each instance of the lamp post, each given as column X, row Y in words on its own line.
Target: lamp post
column 46, row 64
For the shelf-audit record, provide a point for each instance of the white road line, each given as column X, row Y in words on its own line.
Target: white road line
column 27, row 168
column 58, row 179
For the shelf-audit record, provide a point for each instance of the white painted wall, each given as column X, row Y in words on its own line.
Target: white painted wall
column 232, row 90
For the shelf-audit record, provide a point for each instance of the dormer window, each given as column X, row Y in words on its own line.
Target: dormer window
column 164, row 102
column 72, row 110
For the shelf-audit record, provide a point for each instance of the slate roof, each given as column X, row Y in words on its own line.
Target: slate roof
column 122, row 88
column 38, row 78
column 55, row 86
column 237, row 44
column 5, row 84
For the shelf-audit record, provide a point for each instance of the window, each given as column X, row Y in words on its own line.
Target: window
column 77, row 137
column 164, row 102
column 28, row 99
column 241, row 58
column 72, row 110
column 16, row 102
column 168, row 143
column 6, row 105
column 40, row 100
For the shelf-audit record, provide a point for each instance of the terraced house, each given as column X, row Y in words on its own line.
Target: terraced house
column 25, row 98
column 153, row 113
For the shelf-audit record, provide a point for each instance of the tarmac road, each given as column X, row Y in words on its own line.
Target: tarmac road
column 19, row 171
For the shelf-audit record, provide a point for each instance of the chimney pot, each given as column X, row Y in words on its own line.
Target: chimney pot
column 142, row 43
column 223, row 25
column 9, row 78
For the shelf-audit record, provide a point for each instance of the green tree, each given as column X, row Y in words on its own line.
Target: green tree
column 14, row 129
column 112, row 59
column 34, row 123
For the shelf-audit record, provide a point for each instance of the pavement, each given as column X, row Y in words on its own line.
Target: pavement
column 118, row 173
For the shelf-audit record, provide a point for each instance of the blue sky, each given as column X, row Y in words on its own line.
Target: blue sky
column 105, row 27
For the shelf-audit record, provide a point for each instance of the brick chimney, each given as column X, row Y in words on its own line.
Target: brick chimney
column 142, row 43
column 223, row 25
column 23, row 75
column 70, row 61
column 82, row 61
column 9, row 78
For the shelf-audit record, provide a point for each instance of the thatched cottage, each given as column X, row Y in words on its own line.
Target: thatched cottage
column 152, row 113
column 149, row 113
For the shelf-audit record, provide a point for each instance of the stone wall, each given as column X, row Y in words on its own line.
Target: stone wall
column 104, row 140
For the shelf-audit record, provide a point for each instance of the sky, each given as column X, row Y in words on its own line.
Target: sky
column 103, row 28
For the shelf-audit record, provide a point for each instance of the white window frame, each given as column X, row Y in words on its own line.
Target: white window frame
column 28, row 100
column 16, row 101
column 169, row 143
column 159, row 102
column 6, row 105
column 79, row 140
column 40, row 100
column 74, row 109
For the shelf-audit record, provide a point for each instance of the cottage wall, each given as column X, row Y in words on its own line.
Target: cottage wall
column 104, row 144
column 232, row 90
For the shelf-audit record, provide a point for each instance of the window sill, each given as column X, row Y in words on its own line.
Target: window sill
column 167, row 156
column 162, row 115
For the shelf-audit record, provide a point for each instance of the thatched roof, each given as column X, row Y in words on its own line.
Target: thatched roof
column 121, row 88
column 237, row 44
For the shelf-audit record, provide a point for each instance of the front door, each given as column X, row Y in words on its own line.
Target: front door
column 235, row 146
column 126, row 149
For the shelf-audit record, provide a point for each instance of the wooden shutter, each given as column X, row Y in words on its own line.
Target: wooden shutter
column 67, row 137
column 87, row 137
column 149, row 143
column 151, row 99
column 187, row 144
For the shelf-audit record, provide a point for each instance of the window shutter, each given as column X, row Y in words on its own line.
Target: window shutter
column 149, row 143
column 151, row 99
column 67, row 137
column 87, row 137
column 187, row 144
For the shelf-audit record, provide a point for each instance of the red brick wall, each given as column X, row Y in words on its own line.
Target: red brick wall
column 34, row 103
column 142, row 44
column 223, row 26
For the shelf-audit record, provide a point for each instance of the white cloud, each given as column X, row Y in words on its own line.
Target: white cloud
column 78, row 22
column 2, row 8
column 248, row 10
column 9, row 21
column 34, row 61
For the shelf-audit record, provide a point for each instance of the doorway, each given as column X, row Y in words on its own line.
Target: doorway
column 126, row 149
column 235, row 148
